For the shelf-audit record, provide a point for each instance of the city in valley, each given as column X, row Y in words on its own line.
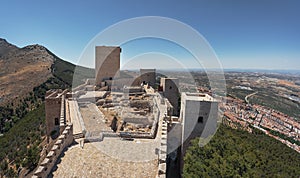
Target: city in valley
column 265, row 100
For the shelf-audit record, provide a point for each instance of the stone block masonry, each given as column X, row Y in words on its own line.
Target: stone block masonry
column 107, row 63
column 148, row 76
column 171, row 92
column 63, row 141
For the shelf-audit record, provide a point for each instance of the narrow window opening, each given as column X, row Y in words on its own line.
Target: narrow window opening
column 56, row 121
column 200, row 119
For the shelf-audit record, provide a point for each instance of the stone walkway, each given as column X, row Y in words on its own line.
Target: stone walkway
column 138, row 150
column 93, row 119
column 91, row 162
column 75, row 117
column 112, row 157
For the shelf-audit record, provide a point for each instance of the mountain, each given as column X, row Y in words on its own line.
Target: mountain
column 22, row 69
column 6, row 48
column 25, row 76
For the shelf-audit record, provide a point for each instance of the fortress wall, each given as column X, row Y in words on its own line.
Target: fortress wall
column 82, row 86
column 62, row 93
column 162, row 154
column 169, row 108
column 119, row 83
column 89, row 81
column 161, row 98
column 171, row 92
column 63, row 141
column 79, row 116
column 62, row 115
column 79, row 87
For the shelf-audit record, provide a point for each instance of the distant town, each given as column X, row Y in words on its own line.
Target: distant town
column 276, row 124
column 119, row 115
column 265, row 101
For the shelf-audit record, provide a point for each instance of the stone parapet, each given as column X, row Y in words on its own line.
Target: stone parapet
column 63, row 141
column 162, row 155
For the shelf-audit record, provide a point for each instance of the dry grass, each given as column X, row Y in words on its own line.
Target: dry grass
column 23, row 70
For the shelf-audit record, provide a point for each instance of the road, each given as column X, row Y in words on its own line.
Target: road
column 246, row 98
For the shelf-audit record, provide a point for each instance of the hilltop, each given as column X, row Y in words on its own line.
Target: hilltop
column 25, row 75
column 22, row 69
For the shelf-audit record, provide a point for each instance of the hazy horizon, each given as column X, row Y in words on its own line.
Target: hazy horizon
column 243, row 34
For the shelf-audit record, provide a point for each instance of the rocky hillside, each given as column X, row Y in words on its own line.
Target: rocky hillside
column 25, row 76
column 22, row 69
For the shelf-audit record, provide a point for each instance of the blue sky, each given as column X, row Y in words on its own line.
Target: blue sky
column 261, row 34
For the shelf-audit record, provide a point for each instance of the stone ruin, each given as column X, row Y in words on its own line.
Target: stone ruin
column 132, row 113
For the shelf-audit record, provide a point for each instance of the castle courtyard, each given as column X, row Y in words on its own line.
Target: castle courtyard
column 89, row 161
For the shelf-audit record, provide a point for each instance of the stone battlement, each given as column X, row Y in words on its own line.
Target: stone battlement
column 162, row 154
column 63, row 141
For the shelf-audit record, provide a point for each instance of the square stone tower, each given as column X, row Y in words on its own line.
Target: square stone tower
column 53, row 110
column 199, row 115
column 148, row 76
column 171, row 92
column 107, row 63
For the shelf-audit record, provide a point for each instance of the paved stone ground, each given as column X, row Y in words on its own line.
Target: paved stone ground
column 74, row 117
column 93, row 119
column 139, row 150
column 90, row 162
column 111, row 157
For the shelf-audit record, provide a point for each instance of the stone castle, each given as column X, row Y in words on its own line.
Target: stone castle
column 122, row 108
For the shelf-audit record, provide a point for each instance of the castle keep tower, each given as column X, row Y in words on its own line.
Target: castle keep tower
column 199, row 114
column 107, row 63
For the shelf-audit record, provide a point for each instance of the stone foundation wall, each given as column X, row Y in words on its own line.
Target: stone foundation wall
column 140, row 104
column 138, row 119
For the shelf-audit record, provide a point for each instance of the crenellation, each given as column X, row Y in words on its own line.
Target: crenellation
column 64, row 141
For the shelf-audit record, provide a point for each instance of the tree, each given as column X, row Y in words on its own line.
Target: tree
column 237, row 153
